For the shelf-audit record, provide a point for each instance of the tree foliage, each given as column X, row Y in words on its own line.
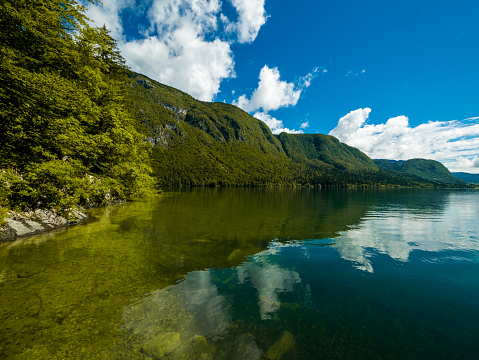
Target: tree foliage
column 65, row 126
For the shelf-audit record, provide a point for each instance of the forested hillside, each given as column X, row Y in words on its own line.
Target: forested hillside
column 68, row 136
column 467, row 177
column 428, row 169
column 203, row 144
column 199, row 143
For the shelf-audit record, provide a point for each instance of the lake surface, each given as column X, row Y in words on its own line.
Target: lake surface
column 251, row 274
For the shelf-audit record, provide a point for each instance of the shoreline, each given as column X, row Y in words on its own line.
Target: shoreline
column 19, row 225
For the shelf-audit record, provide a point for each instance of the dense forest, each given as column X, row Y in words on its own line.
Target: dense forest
column 79, row 128
column 68, row 136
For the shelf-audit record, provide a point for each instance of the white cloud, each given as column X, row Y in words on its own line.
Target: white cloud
column 468, row 164
column 196, row 66
column 271, row 94
column 108, row 13
column 352, row 73
column 184, row 41
column 251, row 16
column 304, row 125
column 179, row 55
column 472, row 118
column 276, row 126
column 454, row 143
column 306, row 80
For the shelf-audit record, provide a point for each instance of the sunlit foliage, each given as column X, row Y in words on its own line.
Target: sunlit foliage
column 67, row 132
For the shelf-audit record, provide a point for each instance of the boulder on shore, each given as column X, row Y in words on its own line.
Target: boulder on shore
column 37, row 221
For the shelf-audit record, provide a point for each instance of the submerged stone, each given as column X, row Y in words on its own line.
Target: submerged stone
column 162, row 344
column 246, row 348
column 235, row 256
column 281, row 346
column 198, row 339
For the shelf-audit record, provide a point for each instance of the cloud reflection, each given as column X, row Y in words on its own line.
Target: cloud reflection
column 218, row 306
column 269, row 279
column 397, row 232
column 201, row 305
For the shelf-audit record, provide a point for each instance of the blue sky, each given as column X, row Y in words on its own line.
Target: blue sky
column 397, row 79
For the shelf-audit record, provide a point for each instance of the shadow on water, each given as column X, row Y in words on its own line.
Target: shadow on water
column 224, row 274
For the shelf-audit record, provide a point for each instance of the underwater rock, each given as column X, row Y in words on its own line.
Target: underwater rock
column 246, row 348
column 281, row 346
column 198, row 339
column 162, row 344
column 235, row 256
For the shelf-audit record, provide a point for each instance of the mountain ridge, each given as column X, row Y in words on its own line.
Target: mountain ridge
column 467, row 177
column 199, row 143
column 431, row 170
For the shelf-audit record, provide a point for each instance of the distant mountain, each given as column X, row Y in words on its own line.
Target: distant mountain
column 199, row 143
column 427, row 169
column 467, row 177
column 319, row 149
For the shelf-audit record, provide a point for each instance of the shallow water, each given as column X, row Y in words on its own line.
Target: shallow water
column 251, row 274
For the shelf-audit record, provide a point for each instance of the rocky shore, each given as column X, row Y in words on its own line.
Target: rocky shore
column 38, row 221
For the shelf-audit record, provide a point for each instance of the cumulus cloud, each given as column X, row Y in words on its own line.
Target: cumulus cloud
column 271, row 94
column 251, row 16
column 304, row 125
column 183, row 42
column 454, row 143
column 276, row 126
column 184, row 61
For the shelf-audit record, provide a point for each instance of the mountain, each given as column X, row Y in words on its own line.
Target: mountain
column 324, row 150
column 202, row 143
column 197, row 143
column 428, row 169
column 467, row 177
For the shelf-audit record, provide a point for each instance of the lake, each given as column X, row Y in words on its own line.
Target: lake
column 251, row 274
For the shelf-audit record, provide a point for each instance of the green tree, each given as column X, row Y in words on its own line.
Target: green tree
column 64, row 121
